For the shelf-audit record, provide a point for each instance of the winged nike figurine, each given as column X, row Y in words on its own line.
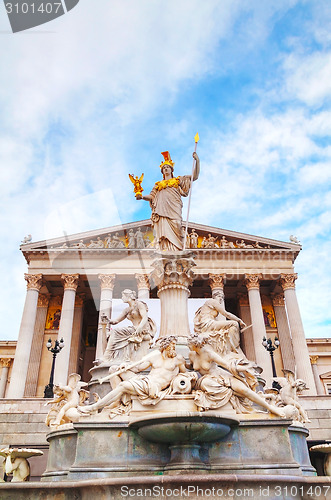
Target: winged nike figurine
column 137, row 184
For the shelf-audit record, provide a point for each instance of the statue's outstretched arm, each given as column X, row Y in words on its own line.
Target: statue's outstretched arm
column 120, row 318
column 233, row 317
column 219, row 360
column 225, row 313
column 196, row 171
column 147, row 197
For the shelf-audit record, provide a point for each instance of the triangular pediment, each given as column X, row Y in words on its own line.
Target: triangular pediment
column 139, row 235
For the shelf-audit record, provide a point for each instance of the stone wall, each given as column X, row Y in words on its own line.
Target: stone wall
column 319, row 412
column 22, row 424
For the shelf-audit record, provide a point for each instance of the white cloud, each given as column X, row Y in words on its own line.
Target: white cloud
column 74, row 99
column 309, row 77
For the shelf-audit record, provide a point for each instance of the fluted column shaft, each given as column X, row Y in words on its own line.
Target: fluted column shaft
column 70, row 282
column 300, row 348
column 318, row 383
column 262, row 357
column 6, row 362
column 106, row 298
column 36, row 349
column 283, row 331
column 246, row 337
column 143, row 286
column 76, row 333
column 23, row 348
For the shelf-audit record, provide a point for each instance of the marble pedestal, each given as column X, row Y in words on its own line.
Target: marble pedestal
column 173, row 274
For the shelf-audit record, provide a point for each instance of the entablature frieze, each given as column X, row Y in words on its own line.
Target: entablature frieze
column 127, row 239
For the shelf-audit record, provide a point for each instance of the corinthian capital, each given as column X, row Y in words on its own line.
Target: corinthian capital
column 142, row 281
column 6, row 362
column 216, row 280
column 287, row 281
column 107, row 281
column 33, row 281
column 252, row 281
column 313, row 359
column 278, row 299
column 70, row 281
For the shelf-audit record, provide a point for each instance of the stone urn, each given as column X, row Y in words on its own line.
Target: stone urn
column 324, row 448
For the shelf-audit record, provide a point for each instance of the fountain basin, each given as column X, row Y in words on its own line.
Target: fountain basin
column 184, row 434
column 184, row 429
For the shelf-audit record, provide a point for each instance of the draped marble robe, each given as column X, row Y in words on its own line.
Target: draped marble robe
column 166, row 215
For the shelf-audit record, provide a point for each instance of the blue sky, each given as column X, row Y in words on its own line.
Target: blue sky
column 101, row 91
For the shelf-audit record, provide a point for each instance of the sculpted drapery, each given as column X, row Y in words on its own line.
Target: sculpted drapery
column 166, row 203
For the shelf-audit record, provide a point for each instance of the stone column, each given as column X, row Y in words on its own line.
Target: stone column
column 301, row 354
column 216, row 283
column 23, row 348
column 246, row 337
column 106, row 297
column 262, row 357
column 283, row 332
column 6, row 362
column 76, row 333
column 318, row 383
column 143, row 286
column 70, row 283
column 173, row 274
column 36, row 348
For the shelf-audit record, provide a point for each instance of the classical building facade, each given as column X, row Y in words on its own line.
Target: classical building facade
column 72, row 282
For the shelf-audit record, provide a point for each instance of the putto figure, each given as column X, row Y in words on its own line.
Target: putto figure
column 166, row 203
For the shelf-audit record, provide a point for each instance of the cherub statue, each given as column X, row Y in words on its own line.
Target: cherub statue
column 136, row 181
column 65, row 403
column 290, row 387
column 16, row 463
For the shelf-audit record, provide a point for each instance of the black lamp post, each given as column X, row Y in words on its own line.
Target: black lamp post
column 271, row 347
column 58, row 346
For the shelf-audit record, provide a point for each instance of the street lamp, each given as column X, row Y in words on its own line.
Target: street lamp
column 271, row 347
column 58, row 346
